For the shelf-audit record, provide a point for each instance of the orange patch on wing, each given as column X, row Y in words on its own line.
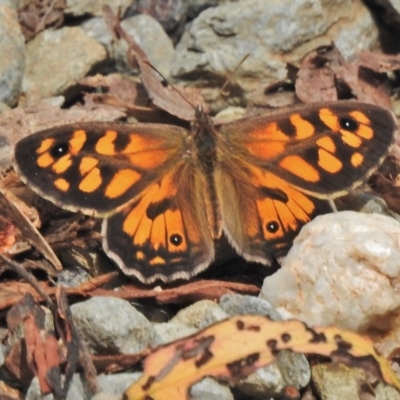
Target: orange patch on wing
column 304, row 129
column 138, row 143
column 138, row 211
column 62, row 164
column 351, row 139
column 328, row 161
column 45, row 160
column 301, row 168
column 150, row 159
column 289, row 214
column 360, row 117
column 61, row 184
column 77, row 141
column 158, row 233
column 357, row 159
column 327, row 143
column 265, row 151
column 45, row 145
column 157, row 261
column 329, row 119
column 87, row 164
column 91, row 182
column 105, row 145
column 143, row 231
column 121, row 182
column 174, row 224
column 365, row 132
column 269, row 132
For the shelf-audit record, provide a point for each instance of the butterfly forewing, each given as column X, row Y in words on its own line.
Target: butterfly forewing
column 323, row 149
column 97, row 168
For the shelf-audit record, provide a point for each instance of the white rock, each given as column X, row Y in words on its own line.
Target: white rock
column 342, row 270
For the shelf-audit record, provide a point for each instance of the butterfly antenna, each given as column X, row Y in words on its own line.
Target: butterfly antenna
column 169, row 84
column 231, row 75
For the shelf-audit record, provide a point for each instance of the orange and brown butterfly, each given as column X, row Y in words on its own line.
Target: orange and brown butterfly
column 167, row 193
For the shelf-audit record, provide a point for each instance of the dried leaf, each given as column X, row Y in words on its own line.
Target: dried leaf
column 326, row 75
column 161, row 93
column 20, row 122
column 36, row 15
column 29, row 232
column 233, row 349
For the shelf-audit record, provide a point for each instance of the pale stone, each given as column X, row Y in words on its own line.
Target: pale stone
column 342, row 270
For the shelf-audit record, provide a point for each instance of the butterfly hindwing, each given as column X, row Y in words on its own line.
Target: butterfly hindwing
column 164, row 234
column 261, row 213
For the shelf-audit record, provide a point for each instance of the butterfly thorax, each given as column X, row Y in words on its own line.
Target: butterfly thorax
column 205, row 140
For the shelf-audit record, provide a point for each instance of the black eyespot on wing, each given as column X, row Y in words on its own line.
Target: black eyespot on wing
column 348, row 124
column 176, row 239
column 59, row 150
column 272, row 226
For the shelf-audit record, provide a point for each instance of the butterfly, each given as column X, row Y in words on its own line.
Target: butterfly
column 167, row 193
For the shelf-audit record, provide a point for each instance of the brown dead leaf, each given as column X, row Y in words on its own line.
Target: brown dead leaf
column 20, row 122
column 36, row 15
column 41, row 347
column 13, row 291
column 276, row 95
column 386, row 183
column 124, row 89
column 326, row 75
column 190, row 292
column 315, row 80
column 28, row 230
column 9, row 393
column 230, row 350
column 177, row 101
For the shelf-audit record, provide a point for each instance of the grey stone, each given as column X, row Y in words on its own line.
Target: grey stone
column 284, row 31
column 170, row 331
column 3, row 352
column 110, row 387
column 289, row 369
column 170, row 14
column 337, row 381
column 75, row 392
column 200, row 314
column 195, row 7
column 56, row 60
column 147, row 32
column 79, row 8
column 236, row 304
column 114, row 385
column 210, row 389
column 4, row 107
column 73, row 277
column 112, row 325
column 12, row 59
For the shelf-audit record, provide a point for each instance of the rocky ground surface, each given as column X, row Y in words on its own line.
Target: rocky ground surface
column 63, row 61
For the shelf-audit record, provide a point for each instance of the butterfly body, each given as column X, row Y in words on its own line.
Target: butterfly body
column 167, row 193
